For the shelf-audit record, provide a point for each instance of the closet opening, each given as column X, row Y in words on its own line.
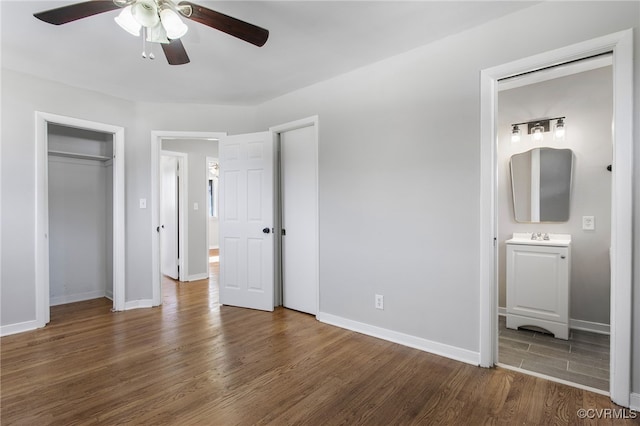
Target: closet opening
column 79, row 220
column 80, row 194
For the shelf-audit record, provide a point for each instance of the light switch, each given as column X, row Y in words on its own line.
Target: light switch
column 143, row 203
column 588, row 223
column 195, row 206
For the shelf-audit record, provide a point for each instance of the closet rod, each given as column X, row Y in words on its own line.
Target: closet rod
column 79, row 155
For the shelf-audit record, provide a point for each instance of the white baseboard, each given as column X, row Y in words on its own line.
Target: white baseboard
column 20, row 327
column 574, row 324
column 197, row 277
column 458, row 354
column 137, row 304
column 594, row 327
column 79, row 297
column 634, row 402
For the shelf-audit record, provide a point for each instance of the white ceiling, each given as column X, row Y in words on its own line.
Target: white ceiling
column 309, row 41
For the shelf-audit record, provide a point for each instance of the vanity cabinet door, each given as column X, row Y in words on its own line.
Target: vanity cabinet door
column 538, row 282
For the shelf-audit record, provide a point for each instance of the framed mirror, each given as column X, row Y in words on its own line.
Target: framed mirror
column 541, row 185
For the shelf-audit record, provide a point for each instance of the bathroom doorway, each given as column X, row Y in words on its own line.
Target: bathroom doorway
column 621, row 44
column 582, row 93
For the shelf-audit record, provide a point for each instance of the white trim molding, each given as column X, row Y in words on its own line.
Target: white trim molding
column 621, row 44
column 593, row 327
column 576, row 324
column 452, row 352
column 138, row 304
column 79, row 297
column 198, row 277
column 42, row 119
column 20, row 327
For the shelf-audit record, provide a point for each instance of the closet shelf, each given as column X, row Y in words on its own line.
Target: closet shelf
column 79, row 155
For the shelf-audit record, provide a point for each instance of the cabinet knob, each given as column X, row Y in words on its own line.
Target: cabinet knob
column 563, row 257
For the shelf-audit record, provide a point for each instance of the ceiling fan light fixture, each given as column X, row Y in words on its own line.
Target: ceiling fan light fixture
column 127, row 22
column 146, row 13
column 172, row 24
column 157, row 34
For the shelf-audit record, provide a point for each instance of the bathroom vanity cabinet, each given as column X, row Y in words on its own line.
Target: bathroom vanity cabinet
column 538, row 277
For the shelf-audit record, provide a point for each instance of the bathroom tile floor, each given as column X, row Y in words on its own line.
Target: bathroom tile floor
column 583, row 359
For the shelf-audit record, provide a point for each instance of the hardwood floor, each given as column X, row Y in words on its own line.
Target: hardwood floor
column 193, row 362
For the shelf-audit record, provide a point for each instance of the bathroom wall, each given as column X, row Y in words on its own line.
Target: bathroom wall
column 586, row 101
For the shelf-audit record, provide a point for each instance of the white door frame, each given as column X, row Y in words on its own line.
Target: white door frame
column 183, row 196
column 621, row 44
column 294, row 125
column 42, row 119
column 156, row 147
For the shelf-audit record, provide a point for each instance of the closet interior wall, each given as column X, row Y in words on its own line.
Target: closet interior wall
column 80, row 201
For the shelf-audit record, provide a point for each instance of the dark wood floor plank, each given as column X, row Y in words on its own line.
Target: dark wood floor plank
column 192, row 361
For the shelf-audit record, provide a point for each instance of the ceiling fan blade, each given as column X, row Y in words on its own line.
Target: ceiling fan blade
column 232, row 26
column 73, row 12
column 175, row 52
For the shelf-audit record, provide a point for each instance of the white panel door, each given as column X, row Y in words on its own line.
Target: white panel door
column 169, row 215
column 246, row 221
column 299, row 211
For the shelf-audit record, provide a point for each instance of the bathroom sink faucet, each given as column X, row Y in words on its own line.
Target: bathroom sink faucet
column 539, row 236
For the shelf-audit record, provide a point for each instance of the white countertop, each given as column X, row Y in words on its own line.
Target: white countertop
column 557, row 240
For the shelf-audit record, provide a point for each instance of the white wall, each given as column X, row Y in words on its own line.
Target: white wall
column 586, row 99
column 197, row 239
column 399, row 172
column 22, row 95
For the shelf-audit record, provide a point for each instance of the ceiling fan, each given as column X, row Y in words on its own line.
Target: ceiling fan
column 158, row 21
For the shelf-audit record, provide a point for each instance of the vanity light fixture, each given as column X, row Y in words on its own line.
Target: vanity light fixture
column 537, row 129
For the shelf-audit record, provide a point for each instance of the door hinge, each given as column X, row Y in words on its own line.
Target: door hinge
column 284, row 232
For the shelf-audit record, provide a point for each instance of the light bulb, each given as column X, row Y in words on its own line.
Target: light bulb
column 515, row 134
column 559, row 129
column 536, row 132
column 127, row 22
column 172, row 24
column 146, row 13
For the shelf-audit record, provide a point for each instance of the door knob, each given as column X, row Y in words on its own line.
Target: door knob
column 266, row 230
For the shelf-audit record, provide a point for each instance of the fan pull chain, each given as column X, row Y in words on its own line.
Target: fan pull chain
column 144, row 46
column 144, row 42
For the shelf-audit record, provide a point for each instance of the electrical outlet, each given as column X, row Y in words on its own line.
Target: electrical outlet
column 379, row 301
column 143, row 203
column 588, row 223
